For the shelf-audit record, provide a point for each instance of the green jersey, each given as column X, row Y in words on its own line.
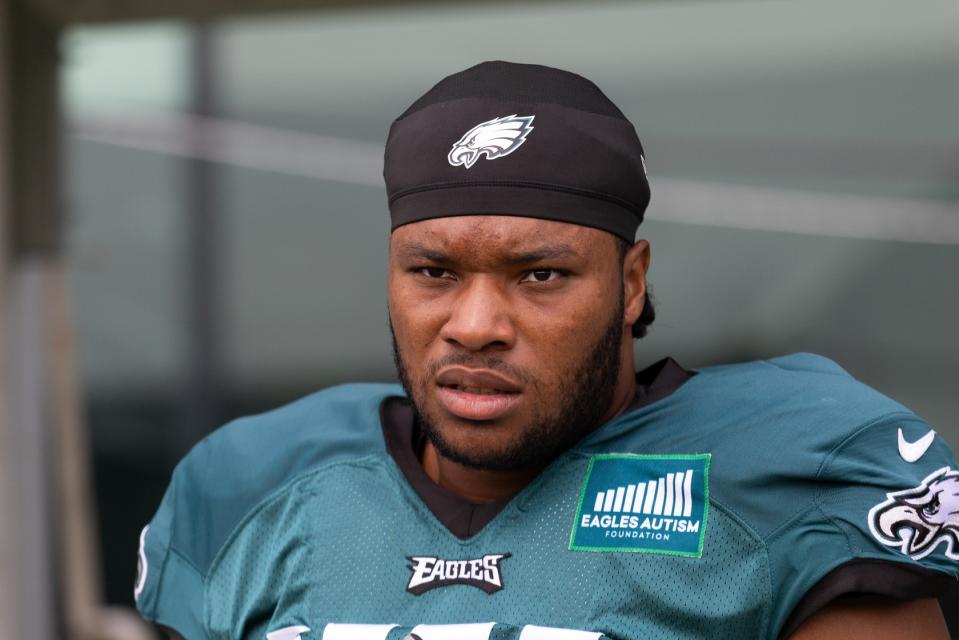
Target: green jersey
column 732, row 506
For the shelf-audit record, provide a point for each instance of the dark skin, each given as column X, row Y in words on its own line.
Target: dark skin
column 468, row 287
column 532, row 293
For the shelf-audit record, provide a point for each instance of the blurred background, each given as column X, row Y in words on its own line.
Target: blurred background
column 196, row 226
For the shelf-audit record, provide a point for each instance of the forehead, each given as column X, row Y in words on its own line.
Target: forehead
column 499, row 237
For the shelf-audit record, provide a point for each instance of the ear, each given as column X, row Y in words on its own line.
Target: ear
column 635, row 265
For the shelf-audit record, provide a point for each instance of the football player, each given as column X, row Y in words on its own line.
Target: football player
column 524, row 482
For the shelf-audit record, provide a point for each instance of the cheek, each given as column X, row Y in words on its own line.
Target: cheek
column 557, row 340
column 416, row 322
column 565, row 327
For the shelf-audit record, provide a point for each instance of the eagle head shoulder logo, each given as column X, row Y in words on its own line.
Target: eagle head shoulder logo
column 494, row 138
column 916, row 520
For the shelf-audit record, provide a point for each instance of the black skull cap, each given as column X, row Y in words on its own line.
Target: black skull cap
column 502, row 138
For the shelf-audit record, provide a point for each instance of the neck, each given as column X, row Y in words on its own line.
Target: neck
column 482, row 486
column 475, row 485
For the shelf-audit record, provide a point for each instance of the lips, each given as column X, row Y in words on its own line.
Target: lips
column 483, row 380
column 476, row 394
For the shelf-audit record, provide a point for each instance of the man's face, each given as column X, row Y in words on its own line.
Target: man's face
column 508, row 334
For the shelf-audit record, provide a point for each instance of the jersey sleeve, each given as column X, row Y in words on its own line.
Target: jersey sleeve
column 169, row 589
column 884, row 521
column 225, row 477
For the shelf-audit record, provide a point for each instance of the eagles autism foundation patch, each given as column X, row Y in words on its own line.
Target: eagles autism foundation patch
column 643, row 503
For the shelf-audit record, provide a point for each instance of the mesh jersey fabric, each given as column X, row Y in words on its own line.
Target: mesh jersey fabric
column 299, row 519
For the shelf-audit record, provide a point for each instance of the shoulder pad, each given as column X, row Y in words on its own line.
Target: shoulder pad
column 240, row 464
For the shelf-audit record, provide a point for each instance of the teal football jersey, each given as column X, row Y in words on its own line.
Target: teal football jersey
column 719, row 510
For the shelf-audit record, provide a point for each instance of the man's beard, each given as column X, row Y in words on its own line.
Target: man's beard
column 585, row 396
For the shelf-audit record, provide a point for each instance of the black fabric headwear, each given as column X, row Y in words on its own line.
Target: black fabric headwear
column 517, row 139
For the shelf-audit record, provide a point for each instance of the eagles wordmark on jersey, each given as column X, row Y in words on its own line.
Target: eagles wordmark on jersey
column 720, row 508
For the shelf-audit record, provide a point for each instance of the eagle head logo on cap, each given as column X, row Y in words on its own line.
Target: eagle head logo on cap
column 496, row 138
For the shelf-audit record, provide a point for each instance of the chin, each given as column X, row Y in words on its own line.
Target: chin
column 477, row 436
column 477, row 445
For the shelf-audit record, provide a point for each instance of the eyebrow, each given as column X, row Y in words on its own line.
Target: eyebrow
column 414, row 251
column 547, row 252
column 540, row 254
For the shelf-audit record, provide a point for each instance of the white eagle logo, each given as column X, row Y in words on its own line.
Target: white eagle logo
column 496, row 138
column 917, row 520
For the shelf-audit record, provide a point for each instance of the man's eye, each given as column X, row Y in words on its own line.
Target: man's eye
column 435, row 272
column 542, row 275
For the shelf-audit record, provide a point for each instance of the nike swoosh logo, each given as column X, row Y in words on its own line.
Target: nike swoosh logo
column 912, row 451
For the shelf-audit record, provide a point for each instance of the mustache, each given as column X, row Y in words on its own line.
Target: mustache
column 457, row 358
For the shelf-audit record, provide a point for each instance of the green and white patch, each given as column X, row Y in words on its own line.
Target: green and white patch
column 643, row 503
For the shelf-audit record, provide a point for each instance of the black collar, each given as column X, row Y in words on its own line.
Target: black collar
column 463, row 518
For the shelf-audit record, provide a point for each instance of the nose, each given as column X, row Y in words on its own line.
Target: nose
column 480, row 317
